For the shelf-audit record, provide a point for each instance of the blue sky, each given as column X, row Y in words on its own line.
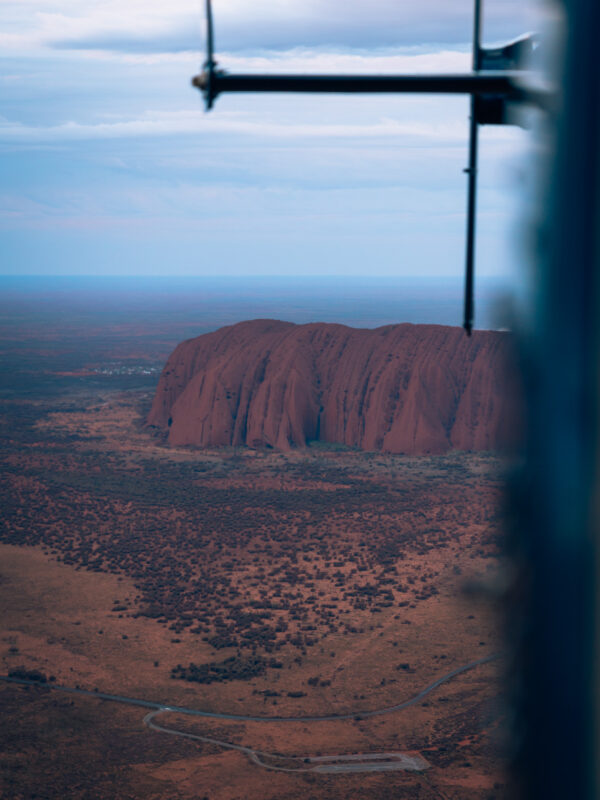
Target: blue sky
column 110, row 166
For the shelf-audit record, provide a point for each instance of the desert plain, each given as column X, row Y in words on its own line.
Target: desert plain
column 324, row 581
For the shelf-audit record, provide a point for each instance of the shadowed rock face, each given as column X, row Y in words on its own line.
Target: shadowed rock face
column 411, row 389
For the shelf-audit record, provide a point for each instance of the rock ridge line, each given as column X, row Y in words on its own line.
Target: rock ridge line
column 411, row 389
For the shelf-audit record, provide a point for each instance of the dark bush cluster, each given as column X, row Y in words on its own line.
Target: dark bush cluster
column 234, row 668
column 29, row 675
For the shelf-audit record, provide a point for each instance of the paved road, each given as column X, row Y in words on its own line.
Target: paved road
column 133, row 701
column 336, row 764
column 355, row 762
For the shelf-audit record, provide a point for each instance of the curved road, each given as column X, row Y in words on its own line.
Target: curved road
column 117, row 698
column 335, row 764
column 355, row 762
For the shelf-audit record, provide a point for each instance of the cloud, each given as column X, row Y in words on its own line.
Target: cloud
column 105, row 134
column 313, row 61
column 196, row 122
column 151, row 26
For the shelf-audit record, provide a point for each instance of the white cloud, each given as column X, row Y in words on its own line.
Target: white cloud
column 154, row 26
column 150, row 157
column 318, row 61
column 196, row 122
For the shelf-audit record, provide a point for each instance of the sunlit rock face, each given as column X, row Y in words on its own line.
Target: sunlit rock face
column 412, row 389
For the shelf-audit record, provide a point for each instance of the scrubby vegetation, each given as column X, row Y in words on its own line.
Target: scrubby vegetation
column 234, row 668
column 253, row 567
column 34, row 675
column 260, row 556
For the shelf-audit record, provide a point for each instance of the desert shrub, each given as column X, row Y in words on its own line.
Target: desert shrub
column 235, row 668
column 28, row 675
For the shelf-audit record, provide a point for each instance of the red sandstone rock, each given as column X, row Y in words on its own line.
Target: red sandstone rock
column 411, row 389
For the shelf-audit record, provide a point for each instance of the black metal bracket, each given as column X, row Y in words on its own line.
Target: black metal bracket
column 213, row 82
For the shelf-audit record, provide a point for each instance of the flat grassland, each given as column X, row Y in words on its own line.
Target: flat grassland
column 321, row 582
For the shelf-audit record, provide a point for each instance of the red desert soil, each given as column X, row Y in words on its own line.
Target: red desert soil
column 124, row 560
column 318, row 580
column 409, row 389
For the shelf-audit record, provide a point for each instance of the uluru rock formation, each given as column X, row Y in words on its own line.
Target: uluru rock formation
column 412, row 389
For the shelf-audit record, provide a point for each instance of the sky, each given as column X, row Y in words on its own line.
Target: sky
column 110, row 164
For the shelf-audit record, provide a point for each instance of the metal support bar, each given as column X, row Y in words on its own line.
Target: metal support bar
column 471, row 170
column 498, row 83
column 469, row 309
column 210, row 63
